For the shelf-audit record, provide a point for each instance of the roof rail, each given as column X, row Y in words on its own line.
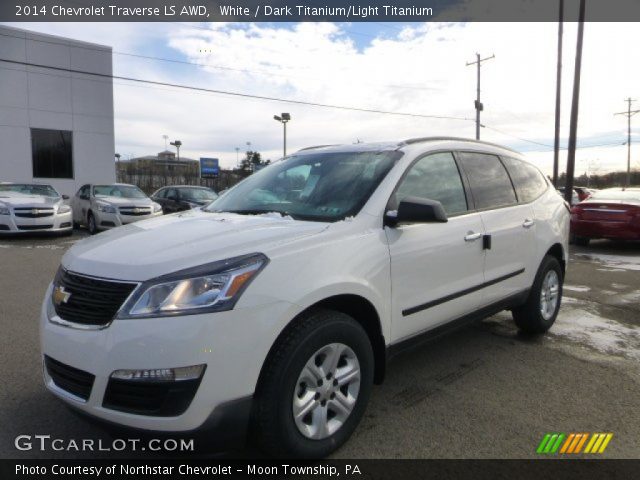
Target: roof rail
column 411, row 141
column 318, row 146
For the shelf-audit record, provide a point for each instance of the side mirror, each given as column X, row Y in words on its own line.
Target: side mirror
column 416, row 210
column 65, row 197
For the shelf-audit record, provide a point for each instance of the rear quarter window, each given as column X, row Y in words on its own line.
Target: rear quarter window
column 528, row 180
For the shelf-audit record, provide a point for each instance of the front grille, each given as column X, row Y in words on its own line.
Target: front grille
column 158, row 399
column 70, row 379
column 91, row 301
column 32, row 212
column 135, row 211
column 4, row 227
column 34, row 227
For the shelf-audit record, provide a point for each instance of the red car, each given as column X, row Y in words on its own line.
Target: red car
column 612, row 213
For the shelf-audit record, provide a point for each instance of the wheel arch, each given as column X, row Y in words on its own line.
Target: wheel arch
column 557, row 251
column 358, row 308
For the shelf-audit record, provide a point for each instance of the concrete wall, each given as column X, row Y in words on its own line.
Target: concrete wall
column 35, row 97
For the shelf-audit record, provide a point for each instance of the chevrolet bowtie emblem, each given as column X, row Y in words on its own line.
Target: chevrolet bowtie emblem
column 35, row 211
column 60, row 295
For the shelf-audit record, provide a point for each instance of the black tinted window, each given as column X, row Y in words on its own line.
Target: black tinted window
column 51, row 153
column 528, row 180
column 435, row 177
column 490, row 183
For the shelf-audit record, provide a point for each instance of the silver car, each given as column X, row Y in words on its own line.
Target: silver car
column 33, row 207
column 100, row 207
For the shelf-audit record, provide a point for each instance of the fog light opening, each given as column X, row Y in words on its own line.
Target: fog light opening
column 161, row 374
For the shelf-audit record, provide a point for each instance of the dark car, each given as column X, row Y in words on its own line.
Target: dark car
column 179, row 198
column 612, row 213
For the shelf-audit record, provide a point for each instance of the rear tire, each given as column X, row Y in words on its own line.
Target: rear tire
column 540, row 310
column 314, row 387
column 581, row 241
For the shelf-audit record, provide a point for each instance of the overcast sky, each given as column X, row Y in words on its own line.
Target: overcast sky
column 413, row 68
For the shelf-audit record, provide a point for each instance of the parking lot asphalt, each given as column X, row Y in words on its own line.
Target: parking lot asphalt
column 485, row 391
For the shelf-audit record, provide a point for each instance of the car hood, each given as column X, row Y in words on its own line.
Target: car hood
column 15, row 199
column 119, row 201
column 161, row 245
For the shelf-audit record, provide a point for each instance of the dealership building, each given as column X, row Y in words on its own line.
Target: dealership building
column 56, row 125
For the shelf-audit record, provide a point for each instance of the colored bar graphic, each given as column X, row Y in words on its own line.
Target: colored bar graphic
column 567, row 443
column 573, row 443
column 606, row 441
column 543, row 443
column 581, row 443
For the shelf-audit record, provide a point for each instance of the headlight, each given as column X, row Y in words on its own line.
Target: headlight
column 4, row 210
column 106, row 208
column 156, row 207
column 208, row 288
column 64, row 209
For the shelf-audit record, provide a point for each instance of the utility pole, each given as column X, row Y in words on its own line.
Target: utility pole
column 573, row 127
column 556, row 143
column 477, row 103
column 629, row 113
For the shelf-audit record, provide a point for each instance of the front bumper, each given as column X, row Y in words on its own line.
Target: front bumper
column 233, row 345
column 11, row 224
column 105, row 221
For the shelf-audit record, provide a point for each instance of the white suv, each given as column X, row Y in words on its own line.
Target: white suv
column 277, row 306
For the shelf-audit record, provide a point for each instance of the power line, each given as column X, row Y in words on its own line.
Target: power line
column 478, row 104
column 236, row 94
column 629, row 113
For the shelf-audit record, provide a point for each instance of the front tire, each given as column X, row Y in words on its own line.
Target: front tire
column 314, row 387
column 539, row 312
column 91, row 224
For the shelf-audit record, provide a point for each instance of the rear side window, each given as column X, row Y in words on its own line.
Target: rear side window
column 489, row 181
column 528, row 180
column 435, row 177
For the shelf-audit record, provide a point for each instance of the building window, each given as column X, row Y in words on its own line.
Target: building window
column 52, row 153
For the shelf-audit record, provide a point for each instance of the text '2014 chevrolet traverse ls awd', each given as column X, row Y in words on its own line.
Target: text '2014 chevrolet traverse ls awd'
column 275, row 308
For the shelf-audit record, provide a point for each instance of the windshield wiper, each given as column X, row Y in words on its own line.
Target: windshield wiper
column 252, row 212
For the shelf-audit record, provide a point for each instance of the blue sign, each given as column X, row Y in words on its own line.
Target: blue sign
column 209, row 167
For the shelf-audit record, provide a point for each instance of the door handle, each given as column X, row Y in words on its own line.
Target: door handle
column 472, row 237
column 528, row 223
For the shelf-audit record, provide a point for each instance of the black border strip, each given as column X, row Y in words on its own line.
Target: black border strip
column 438, row 301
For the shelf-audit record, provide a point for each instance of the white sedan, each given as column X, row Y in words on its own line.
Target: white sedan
column 101, row 207
column 33, row 207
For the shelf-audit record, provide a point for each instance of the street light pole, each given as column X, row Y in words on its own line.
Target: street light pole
column 283, row 118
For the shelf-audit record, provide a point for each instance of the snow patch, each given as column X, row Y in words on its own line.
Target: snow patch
column 576, row 288
column 601, row 334
column 625, row 262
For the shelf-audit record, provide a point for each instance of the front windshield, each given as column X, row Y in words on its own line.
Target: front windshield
column 124, row 191
column 320, row 187
column 30, row 189
column 198, row 194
